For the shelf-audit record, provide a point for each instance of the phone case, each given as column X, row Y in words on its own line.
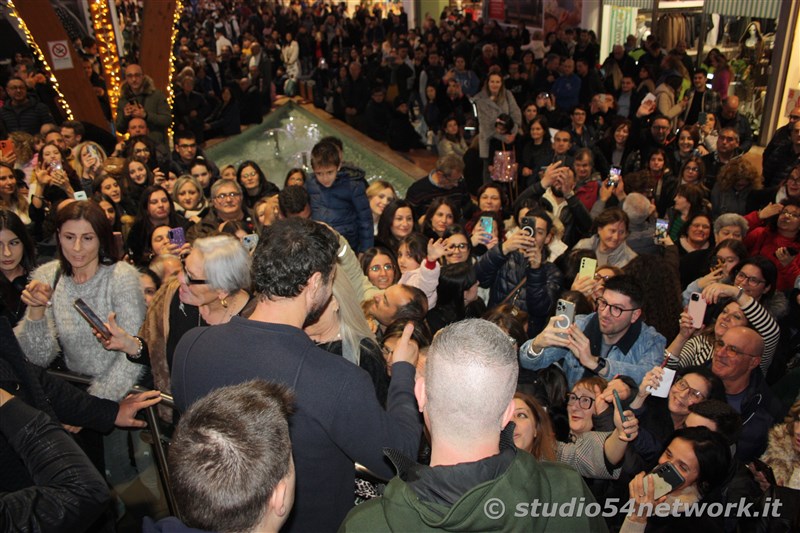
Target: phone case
column 565, row 310
column 487, row 223
column 666, row 479
column 91, row 317
column 177, row 236
column 697, row 309
column 618, row 405
column 588, row 267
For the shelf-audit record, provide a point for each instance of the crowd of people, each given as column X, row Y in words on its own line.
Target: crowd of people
column 595, row 257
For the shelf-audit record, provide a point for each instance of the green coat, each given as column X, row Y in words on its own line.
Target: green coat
column 525, row 481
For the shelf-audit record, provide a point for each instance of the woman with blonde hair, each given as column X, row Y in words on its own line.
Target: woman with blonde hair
column 783, row 450
column 11, row 198
column 380, row 193
column 89, row 159
column 24, row 156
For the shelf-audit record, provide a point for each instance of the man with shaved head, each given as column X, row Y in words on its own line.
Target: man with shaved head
column 729, row 117
column 736, row 362
column 476, row 475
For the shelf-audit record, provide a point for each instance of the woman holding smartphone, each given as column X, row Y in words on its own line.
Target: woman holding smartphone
column 701, row 457
column 86, row 269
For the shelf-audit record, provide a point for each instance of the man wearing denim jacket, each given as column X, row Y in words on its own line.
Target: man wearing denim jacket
column 610, row 342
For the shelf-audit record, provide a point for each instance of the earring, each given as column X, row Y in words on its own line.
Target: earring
column 224, row 302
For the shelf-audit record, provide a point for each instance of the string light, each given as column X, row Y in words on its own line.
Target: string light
column 176, row 18
column 60, row 98
column 107, row 48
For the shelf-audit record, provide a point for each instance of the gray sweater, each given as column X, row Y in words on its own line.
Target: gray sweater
column 112, row 288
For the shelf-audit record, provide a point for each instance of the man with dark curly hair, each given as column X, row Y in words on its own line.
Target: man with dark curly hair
column 337, row 420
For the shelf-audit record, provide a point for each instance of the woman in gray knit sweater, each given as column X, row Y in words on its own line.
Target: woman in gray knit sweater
column 85, row 268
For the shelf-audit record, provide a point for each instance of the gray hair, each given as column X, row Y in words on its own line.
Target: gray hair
column 226, row 262
column 470, row 378
column 637, row 207
column 731, row 219
column 223, row 183
column 449, row 163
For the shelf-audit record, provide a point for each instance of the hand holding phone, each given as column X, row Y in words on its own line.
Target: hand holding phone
column 91, row 317
column 665, row 477
column 697, row 309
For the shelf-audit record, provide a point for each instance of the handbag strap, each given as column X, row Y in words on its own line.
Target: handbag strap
column 514, row 293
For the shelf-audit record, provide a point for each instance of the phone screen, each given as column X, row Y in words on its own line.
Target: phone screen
column 91, row 317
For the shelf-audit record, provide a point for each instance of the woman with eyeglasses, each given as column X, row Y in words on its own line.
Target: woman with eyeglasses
column 660, row 417
column 596, row 454
column 775, row 234
column 751, row 301
column 227, row 205
column 380, row 267
column 255, row 184
column 143, row 149
column 211, row 288
column 692, row 172
column 155, row 209
column 728, row 254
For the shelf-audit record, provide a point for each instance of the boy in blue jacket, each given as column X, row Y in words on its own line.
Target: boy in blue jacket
column 338, row 198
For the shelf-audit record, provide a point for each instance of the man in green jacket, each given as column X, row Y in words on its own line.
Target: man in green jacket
column 477, row 480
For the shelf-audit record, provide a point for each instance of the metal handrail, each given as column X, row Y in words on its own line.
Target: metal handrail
column 152, row 426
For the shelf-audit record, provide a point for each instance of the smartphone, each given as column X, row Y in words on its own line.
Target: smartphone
column 250, row 242
column 649, row 98
column 487, row 223
column 613, row 177
column 92, row 318
column 719, row 263
column 528, row 225
column 765, row 469
column 588, row 267
column 177, row 236
column 119, row 246
column 80, row 195
column 56, row 165
column 662, row 226
column 94, row 152
column 7, row 148
column 618, row 405
column 697, row 309
column 565, row 310
column 666, row 478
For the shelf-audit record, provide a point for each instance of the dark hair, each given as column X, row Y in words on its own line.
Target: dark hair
column 701, row 168
column 422, row 334
column 152, row 159
column 582, row 304
column 230, row 451
column 386, row 220
column 569, row 263
column 417, row 306
column 417, row 245
column 499, row 189
column 91, row 213
column 289, row 253
column 293, row 200
column 458, row 229
column 183, row 134
column 734, row 245
column 437, row 202
column 261, row 177
column 713, row 456
column 11, row 222
column 716, row 388
column 627, row 285
column 542, row 120
column 453, row 281
column 662, row 293
column 511, row 320
column 543, row 446
column 694, row 216
column 695, row 194
column 336, row 141
column 773, row 223
column 768, row 270
column 728, row 421
column 372, row 253
column 144, row 271
column 75, row 126
column 611, row 215
column 293, row 171
column 325, row 153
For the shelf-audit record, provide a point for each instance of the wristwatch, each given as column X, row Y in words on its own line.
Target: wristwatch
column 601, row 364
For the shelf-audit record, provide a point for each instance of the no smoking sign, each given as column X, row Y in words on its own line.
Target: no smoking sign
column 60, row 57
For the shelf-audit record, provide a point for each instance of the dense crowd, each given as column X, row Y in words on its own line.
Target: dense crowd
column 610, row 220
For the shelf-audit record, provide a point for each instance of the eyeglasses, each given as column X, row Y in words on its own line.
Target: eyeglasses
column 459, row 246
column 227, row 196
column 692, row 169
column 790, row 214
column 585, row 402
column 732, row 350
column 750, row 280
column 188, row 278
column 615, row 310
column 598, row 277
column 720, row 259
column 682, row 385
column 388, row 267
column 793, row 180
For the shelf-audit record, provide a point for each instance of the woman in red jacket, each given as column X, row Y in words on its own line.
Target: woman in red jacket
column 775, row 234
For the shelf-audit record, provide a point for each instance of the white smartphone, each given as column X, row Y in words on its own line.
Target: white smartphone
column 697, row 309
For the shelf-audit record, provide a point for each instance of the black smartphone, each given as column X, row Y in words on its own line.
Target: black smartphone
column 765, row 469
column 666, row 478
column 91, row 317
column 618, row 405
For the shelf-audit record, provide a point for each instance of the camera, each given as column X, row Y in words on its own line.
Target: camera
column 528, row 225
